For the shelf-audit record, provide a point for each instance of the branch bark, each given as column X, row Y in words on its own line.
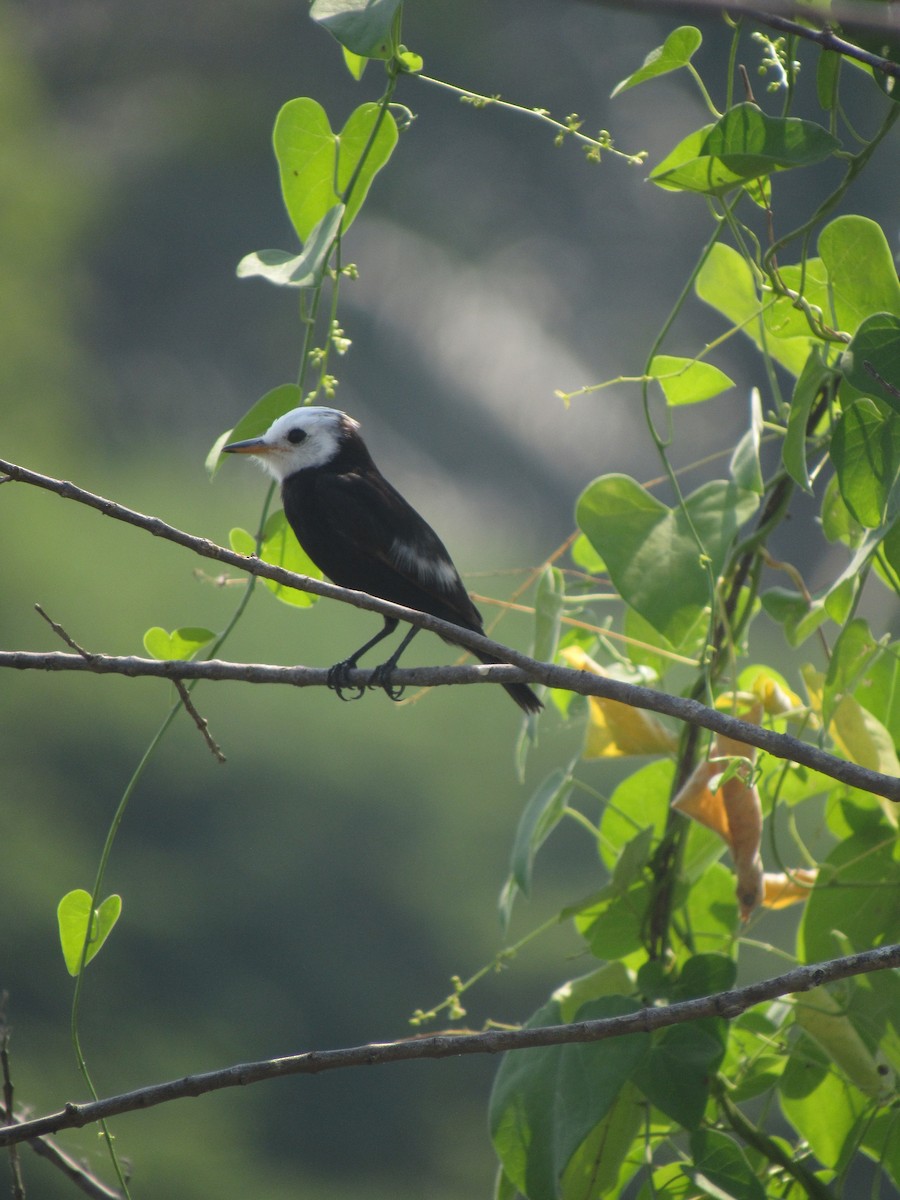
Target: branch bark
column 727, row 1005
column 530, row 670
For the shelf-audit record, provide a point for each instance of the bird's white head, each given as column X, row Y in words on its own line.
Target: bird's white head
column 301, row 439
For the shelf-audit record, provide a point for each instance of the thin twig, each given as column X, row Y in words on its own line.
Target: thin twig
column 201, row 722
column 74, row 1171
column 61, row 633
column 726, row 1005
column 15, row 1166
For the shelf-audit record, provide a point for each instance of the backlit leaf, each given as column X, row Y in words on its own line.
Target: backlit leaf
column 687, row 380
column 676, row 51
column 75, row 916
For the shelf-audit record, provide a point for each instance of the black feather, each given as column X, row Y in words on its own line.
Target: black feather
column 362, row 534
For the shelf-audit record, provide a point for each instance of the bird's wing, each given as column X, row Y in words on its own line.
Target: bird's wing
column 368, row 512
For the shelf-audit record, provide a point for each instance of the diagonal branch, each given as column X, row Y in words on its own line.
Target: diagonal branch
column 682, row 709
column 797, row 20
column 727, row 1005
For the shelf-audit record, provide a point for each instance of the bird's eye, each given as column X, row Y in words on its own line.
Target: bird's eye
column 296, row 436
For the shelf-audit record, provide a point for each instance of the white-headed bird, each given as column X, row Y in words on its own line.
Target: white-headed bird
column 361, row 533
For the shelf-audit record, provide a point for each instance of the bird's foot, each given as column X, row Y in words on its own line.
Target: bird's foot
column 337, row 681
column 380, row 678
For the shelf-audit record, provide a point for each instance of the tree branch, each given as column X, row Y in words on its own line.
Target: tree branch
column 788, row 16
column 780, row 745
column 727, row 1005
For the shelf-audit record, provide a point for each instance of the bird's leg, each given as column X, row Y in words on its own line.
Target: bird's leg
column 380, row 674
column 337, row 675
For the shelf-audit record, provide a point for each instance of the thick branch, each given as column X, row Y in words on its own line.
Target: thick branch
column 692, row 711
column 723, row 1004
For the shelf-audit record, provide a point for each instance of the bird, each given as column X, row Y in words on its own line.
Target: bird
column 362, row 534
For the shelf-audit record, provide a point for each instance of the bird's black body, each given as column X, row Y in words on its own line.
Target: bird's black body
column 361, row 532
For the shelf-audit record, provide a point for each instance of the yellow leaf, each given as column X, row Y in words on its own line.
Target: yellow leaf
column 617, row 729
column 780, row 891
column 732, row 810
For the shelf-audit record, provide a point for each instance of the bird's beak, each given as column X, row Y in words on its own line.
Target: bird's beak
column 251, row 446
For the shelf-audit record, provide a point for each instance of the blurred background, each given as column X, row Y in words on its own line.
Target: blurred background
column 346, row 861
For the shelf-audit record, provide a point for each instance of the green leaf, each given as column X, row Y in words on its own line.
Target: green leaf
column 546, row 1102
column 823, row 1018
column 865, row 450
column 845, row 244
column 711, row 909
column 74, row 916
column 784, row 317
column 871, row 363
column 304, row 270
column 704, row 974
column 726, row 282
column 866, row 914
column 675, row 1074
column 548, row 610
column 676, row 51
column 542, row 814
column 316, row 165
column 687, row 380
column 641, row 801
column 179, row 644
column 744, row 467
column 879, row 690
column 650, row 550
column 721, row 1168
column 837, row 523
column 744, row 145
column 612, row 979
column 853, row 652
column 613, row 926
column 800, row 616
column 585, row 556
column 280, row 548
column 604, row 1162
column 827, row 72
column 819, row 1103
column 355, row 63
column 365, row 27
column 410, row 63
column 255, row 421
column 813, row 378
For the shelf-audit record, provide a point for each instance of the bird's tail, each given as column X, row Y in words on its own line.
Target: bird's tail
column 520, row 692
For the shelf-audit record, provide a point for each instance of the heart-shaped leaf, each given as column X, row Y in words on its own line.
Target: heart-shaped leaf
column 74, row 915
column 280, row 548
column 651, row 552
column 317, row 165
column 179, row 644
column 546, row 1102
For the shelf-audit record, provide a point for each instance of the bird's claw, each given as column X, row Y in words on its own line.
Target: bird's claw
column 337, row 681
column 378, row 680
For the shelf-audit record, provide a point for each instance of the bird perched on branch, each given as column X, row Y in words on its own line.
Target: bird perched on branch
column 362, row 534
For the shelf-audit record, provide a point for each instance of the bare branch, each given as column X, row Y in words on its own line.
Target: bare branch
column 201, row 722
column 780, row 745
column 61, row 633
column 727, row 1005
column 79, row 1175
column 530, row 670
